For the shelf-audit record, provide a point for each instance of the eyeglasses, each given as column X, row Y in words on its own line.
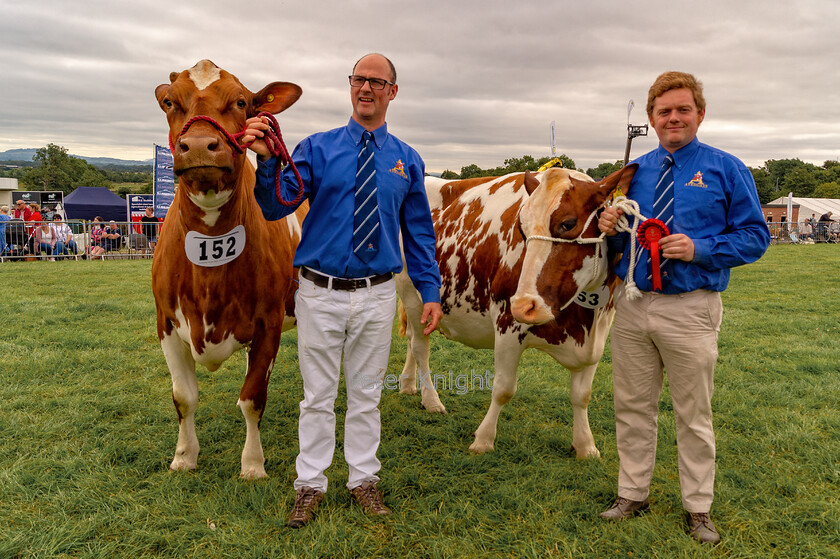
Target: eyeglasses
column 375, row 83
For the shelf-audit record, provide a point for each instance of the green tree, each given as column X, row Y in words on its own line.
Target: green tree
column 827, row 190
column 568, row 162
column 520, row 164
column 766, row 189
column 514, row 165
column 801, row 181
column 56, row 170
column 449, row 175
column 52, row 170
column 604, row 169
column 470, row 171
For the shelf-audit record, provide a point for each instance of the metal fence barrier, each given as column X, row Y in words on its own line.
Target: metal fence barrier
column 87, row 240
column 804, row 233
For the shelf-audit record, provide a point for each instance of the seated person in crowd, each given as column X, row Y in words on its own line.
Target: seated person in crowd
column 112, row 237
column 150, row 226
column 97, row 241
column 806, row 231
column 64, row 242
column 45, row 240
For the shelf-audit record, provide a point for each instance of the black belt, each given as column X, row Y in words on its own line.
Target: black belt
column 343, row 284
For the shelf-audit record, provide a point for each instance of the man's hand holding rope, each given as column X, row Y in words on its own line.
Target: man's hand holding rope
column 254, row 135
column 675, row 247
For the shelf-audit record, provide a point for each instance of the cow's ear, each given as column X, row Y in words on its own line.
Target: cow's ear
column 276, row 97
column 160, row 95
column 531, row 183
column 621, row 179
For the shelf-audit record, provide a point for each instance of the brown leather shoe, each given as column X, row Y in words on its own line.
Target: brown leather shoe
column 369, row 498
column 307, row 500
column 700, row 528
column 624, row 508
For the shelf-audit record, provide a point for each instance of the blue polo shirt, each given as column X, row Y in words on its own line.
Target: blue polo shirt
column 715, row 204
column 327, row 164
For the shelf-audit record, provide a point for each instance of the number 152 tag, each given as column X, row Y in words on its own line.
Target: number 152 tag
column 203, row 250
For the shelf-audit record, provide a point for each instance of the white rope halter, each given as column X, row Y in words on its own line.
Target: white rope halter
column 629, row 207
column 597, row 241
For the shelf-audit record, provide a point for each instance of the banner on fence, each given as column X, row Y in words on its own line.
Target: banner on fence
column 164, row 181
column 48, row 200
column 137, row 204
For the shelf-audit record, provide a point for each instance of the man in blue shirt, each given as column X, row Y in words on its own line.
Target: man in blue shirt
column 346, row 300
column 715, row 223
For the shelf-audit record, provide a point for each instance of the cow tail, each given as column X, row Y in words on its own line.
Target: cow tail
column 403, row 318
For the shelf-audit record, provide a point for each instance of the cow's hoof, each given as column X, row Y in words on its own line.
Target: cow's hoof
column 253, row 473
column 180, row 464
column 481, row 447
column 591, row 452
column 408, row 389
column 434, row 407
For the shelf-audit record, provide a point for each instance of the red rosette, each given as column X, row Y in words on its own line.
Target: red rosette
column 650, row 232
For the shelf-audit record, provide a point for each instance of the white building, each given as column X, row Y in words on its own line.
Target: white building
column 7, row 186
column 803, row 208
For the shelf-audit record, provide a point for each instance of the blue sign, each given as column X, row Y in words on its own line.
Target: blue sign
column 164, row 181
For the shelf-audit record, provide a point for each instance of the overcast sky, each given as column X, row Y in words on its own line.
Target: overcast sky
column 480, row 81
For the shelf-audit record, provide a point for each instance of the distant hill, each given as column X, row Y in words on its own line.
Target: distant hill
column 27, row 154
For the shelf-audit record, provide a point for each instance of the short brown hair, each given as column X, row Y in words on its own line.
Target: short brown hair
column 676, row 80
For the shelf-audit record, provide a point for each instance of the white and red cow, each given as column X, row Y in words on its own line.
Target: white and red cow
column 552, row 292
column 222, row 276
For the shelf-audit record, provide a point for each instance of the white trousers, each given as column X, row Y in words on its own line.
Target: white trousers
column 355, row 324
column 677, row 334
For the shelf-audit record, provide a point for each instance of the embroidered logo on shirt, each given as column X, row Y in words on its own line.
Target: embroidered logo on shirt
column 697, row 180
column 399, row 169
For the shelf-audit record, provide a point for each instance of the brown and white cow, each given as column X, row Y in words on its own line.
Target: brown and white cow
column 222, row 276
column 552, row 292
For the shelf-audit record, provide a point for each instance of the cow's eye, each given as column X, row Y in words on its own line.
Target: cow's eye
column 241, row 104
column 168, row 103
column 569, row 224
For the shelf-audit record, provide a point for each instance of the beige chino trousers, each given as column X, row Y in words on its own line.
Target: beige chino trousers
column 677, row 335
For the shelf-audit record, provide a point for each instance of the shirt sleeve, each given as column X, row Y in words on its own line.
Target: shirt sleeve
column 264, row 188
column 418, row 235
column 745, row 237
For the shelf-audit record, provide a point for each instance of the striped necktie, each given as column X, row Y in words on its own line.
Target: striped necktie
column 366, row 213
column 663, row 206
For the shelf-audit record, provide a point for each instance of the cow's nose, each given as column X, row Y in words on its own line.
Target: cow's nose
column 530, row 310
column 198, row 143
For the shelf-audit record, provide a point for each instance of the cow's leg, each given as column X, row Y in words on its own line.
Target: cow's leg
column 506, row 361
column 581, row 390
column 408, row 377
column 185, row 397
column 417, row 357
column 420, row 348
column 252, row 399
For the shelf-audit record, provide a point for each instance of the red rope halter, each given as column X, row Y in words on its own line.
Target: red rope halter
column 274, row 142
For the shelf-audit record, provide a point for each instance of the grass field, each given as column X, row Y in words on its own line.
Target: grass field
column 87, row 431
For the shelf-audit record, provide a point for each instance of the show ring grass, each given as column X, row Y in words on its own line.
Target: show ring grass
column 88, row 431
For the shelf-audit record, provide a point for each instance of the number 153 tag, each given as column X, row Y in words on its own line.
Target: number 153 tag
column 203, row 250
column 593, row 299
